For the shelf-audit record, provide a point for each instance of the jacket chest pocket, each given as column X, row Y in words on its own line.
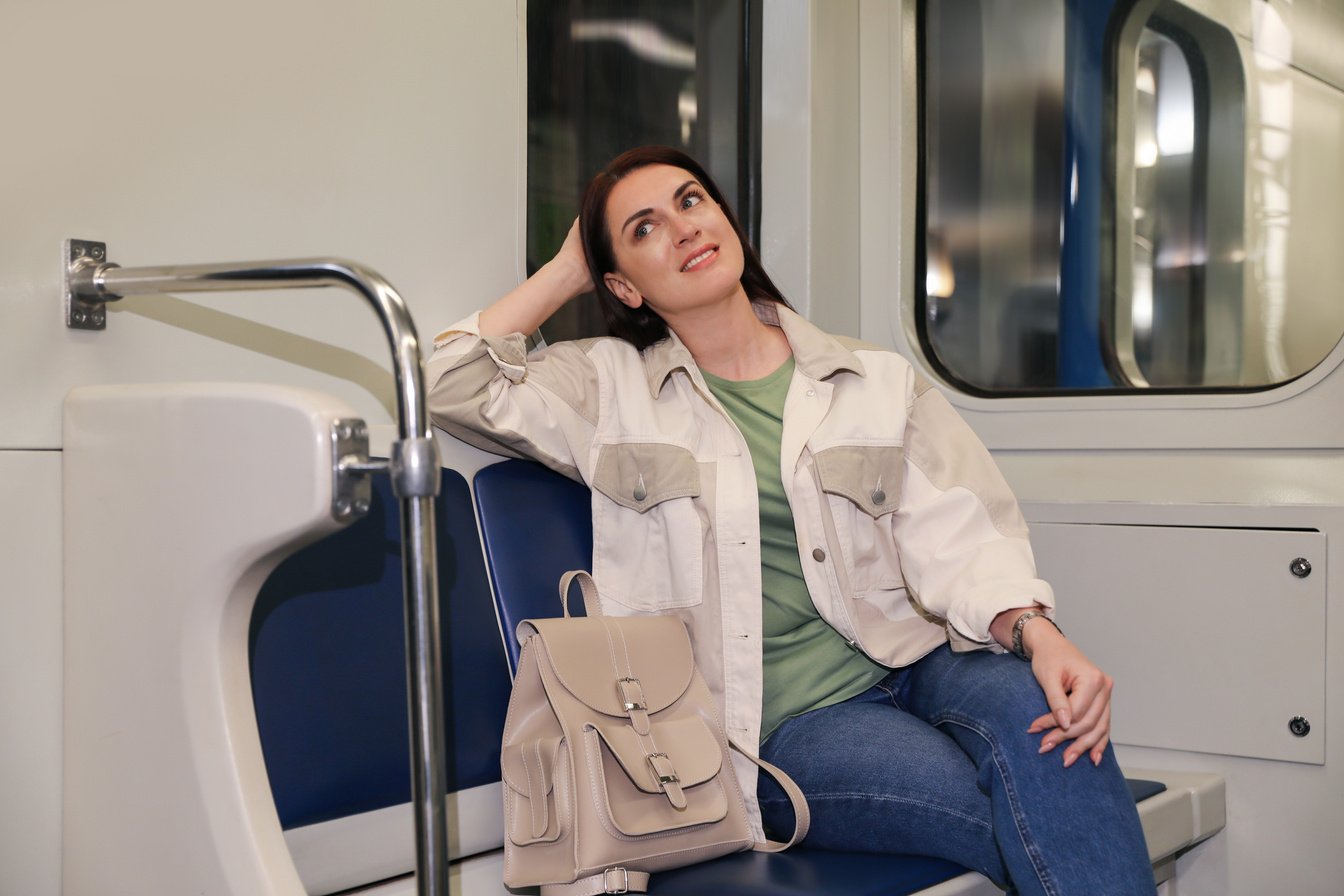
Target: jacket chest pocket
column 648, row 540
column 862, row 488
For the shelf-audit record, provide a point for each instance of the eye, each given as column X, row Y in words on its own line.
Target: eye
column 643, row 229
column 691, row 199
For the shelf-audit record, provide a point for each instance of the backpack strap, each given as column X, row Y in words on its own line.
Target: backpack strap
column 802, row 816
column 613, row 880
column 591, row 606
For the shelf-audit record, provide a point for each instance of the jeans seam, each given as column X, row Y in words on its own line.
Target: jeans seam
column 1028, row 842
column 883, row 798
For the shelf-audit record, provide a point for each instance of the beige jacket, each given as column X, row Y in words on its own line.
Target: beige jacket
column 907, row 532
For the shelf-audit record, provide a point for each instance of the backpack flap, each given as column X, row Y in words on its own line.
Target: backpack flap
column 625, row 667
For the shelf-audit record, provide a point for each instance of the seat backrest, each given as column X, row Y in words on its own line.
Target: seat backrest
column 536, row 525
column 328, row 659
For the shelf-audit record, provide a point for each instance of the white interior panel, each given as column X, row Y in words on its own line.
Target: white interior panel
column 30, row 673
column 1185, row 618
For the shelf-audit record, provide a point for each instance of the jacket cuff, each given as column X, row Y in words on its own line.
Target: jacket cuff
column 968, row 623
column 508, row 352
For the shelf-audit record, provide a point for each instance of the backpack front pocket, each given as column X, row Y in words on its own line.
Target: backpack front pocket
column 645, row 791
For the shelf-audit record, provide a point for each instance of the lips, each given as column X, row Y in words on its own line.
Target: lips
column 701, row 255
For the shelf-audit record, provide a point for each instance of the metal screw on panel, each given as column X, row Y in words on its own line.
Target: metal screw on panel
column 342, row 506
column 1299, row 726
column 361, row 507
column 1301, row 567
column 97, row 253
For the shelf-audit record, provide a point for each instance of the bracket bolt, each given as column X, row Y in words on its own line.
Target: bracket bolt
column 342, row 506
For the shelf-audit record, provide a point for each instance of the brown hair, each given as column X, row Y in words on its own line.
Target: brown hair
column 642, row 326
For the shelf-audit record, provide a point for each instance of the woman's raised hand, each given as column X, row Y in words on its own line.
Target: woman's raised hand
column 556, row 282
column 573, row 262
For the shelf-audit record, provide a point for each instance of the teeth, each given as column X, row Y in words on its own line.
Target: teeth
column 697, row 259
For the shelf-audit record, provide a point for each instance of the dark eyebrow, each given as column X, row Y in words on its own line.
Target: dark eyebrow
column 639, row 214
column 683, row 188
column 677, row 194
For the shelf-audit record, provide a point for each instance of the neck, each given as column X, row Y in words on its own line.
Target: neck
column 730, row 341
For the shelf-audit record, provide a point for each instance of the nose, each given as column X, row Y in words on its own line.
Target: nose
column 686, row 230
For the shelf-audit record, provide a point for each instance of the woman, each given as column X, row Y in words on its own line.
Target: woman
column 848, row 560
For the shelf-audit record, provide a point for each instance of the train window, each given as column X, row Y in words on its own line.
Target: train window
column 1091, row 216
column 606, row 75
column 992, row 103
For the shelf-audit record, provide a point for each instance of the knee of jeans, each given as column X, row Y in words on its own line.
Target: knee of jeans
column 1008, row 690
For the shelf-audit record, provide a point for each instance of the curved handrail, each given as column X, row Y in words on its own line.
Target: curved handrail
column 414, row 468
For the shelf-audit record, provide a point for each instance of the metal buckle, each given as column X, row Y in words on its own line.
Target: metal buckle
column 668, row 778
column 622, row 887
column 627, row 701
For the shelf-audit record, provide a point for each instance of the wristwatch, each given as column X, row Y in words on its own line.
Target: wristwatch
column 1017, row 648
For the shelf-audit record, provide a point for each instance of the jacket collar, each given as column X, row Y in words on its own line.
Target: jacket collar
column 817, row 354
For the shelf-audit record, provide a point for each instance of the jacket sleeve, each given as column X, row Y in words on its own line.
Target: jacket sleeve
column 963, row 541
column 489, row 393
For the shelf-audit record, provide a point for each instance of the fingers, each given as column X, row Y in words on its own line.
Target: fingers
column 1056, row 696
column 1090, row 732
column 1087, row 740
column 571, row 253
column 1044, row 723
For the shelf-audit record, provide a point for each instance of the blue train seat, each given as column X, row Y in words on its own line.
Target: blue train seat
column 535, row 525
column 328, row 659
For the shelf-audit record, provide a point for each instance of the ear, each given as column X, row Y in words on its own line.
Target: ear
column 623, row 290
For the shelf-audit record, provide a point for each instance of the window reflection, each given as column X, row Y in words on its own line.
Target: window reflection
column 1166, row 304
column 1200, row 267
column 994, row 82
column 606, row 75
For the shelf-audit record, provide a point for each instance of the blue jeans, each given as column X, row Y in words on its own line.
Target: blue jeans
column 935, row 760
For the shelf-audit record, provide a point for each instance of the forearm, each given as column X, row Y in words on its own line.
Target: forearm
column 536, row 299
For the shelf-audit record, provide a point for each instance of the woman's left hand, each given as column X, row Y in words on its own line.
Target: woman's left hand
column 1079, row 695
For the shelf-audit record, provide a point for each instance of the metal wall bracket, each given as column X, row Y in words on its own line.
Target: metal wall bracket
column 81, row 256
column 351, row 489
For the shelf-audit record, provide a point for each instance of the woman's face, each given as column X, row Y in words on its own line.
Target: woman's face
column 674, row 247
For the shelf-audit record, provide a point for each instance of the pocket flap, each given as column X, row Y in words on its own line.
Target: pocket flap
column 639, row 475
column 529, row 767
column 590, row 655
column 692, row 751
column 868, row 475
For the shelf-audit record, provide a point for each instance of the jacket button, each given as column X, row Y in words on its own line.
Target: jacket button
column 818, row 554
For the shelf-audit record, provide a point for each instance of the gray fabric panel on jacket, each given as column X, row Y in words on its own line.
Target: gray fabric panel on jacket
column 458, row 406
column 639, row 475
column 950, row 454
column 868, row 475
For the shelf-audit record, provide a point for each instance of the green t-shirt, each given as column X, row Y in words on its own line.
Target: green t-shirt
column 807, row 665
